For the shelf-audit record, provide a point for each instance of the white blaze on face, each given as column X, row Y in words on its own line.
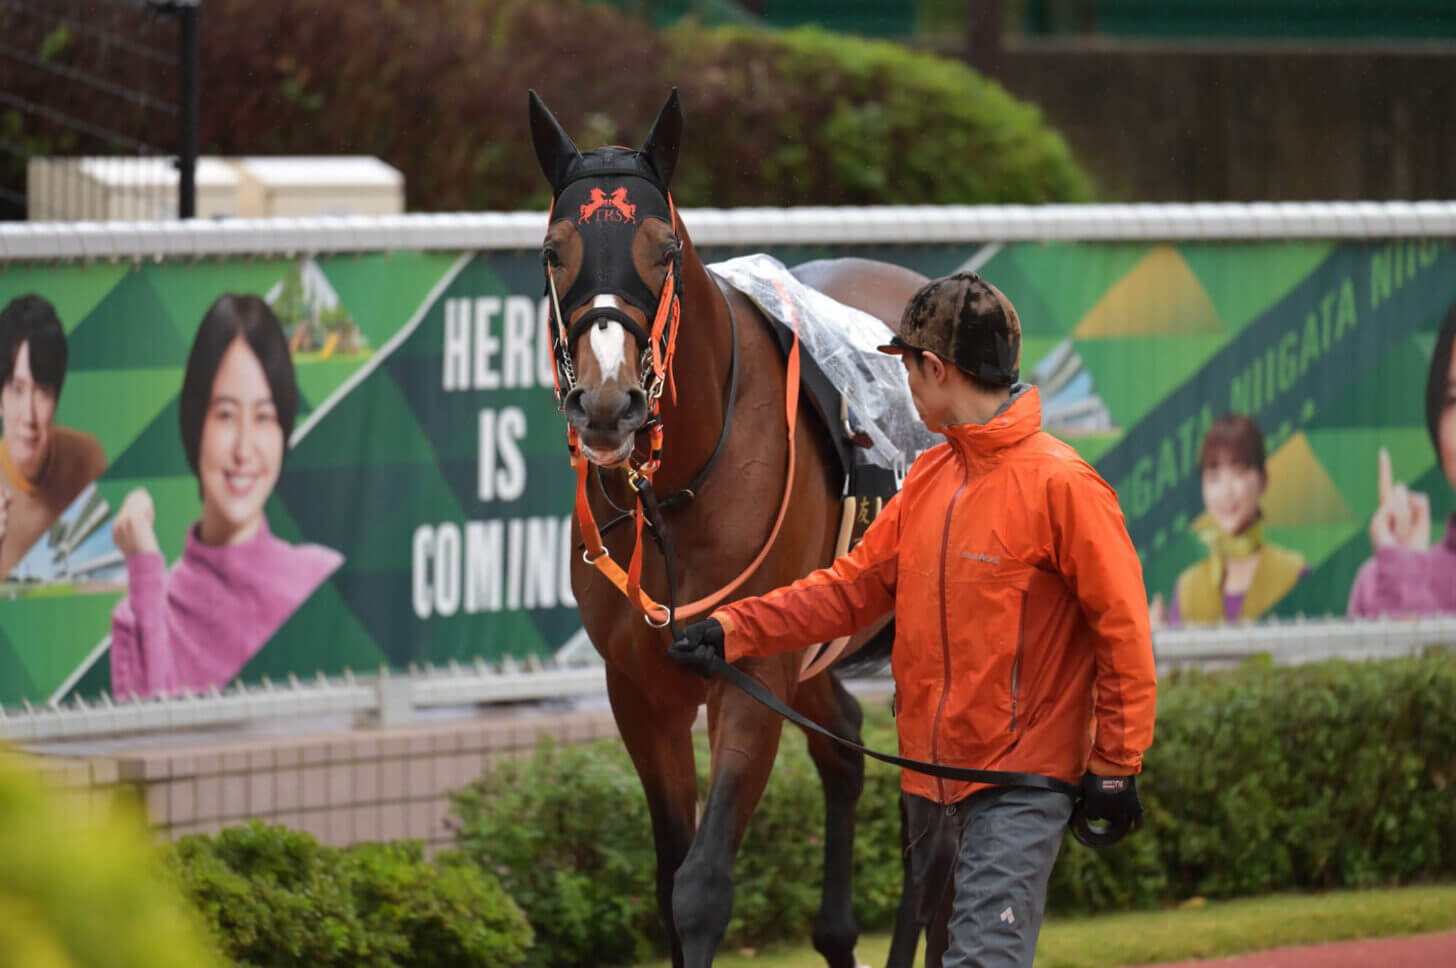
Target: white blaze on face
column 607, row 341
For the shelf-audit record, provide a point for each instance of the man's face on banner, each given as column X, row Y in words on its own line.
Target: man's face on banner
column 29, row 411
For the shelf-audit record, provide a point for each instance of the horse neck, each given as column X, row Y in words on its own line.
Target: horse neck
column 701, row 370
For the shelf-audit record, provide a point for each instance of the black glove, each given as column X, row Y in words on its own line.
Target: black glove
column 1112, row 803
column 701, row 642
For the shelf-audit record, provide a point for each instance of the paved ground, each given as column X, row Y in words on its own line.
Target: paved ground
column 1418, row 951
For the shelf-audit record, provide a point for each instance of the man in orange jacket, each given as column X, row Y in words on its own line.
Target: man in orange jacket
column 1021, row 625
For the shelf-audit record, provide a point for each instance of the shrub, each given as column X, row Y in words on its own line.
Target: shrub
column 276, row 897
column 77, row 890
column 567, row 833
column 438, row 89
column 1261, row 779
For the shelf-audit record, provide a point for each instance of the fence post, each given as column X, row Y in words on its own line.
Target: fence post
column 189, row 98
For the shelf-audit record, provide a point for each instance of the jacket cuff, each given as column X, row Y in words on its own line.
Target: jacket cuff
column 1105, row 767
column 732, row 639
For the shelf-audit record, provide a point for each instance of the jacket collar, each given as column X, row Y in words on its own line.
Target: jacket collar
column 1018, row 419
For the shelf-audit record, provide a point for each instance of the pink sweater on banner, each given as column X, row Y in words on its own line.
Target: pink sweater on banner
column 1398, row 582
column 197, row 625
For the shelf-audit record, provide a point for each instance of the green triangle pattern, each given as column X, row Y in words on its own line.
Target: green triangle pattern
column 157, row 450
column 1134, row 375
column 476, row 279
column 128, row 329
column 117, row 406
column 1373, row 399
column 317, row 379
column 371, row 426
column 1069, row 278
column 73, row 290
column 29, row 625
column 15, row 681
column 380, row 311
column 1349, row 456
column 322, row 636
column 1246, row 279
column 187, row 290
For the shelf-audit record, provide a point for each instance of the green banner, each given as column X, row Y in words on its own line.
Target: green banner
column 422, row 511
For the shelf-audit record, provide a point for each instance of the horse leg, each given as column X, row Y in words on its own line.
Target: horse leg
column 660, row 743
column 745, row 740
column 841, row 771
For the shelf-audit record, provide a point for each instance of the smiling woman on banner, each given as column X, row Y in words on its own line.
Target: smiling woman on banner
column 1406, row 575
column 1243, row 576
column 235, row 584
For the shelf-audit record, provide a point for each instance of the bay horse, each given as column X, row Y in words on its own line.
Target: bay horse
column 665, row 375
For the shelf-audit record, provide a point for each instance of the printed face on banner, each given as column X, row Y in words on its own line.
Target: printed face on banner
column 427, row 495
column 242, row 448
column 29, row 410
column 1446, row 425
column 1231, row 493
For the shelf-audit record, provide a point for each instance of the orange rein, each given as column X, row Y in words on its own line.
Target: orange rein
column 629, row 582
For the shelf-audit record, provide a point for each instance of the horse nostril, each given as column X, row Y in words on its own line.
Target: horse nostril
column 574, row 409
column 635, row 411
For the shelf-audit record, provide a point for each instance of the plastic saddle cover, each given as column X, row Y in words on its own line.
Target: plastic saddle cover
column 842, row 341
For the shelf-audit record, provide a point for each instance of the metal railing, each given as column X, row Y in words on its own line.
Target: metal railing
column 397, row 698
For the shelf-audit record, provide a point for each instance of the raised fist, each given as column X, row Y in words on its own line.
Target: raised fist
column 132, row 528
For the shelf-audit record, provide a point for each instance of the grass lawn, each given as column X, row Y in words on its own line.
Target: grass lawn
column 1195, row 930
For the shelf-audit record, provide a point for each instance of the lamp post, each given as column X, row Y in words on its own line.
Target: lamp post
column 188, row 98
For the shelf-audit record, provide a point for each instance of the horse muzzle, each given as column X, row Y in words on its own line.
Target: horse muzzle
column 606, row 420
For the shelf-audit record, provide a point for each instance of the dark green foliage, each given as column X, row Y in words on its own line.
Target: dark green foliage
column 1330, row 775
column 276, row 897
column 568, row 835
column 1261, row 779
column 438, row 89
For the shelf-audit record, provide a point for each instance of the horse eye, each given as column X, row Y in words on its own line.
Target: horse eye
column 551, row 256
column 671, row 251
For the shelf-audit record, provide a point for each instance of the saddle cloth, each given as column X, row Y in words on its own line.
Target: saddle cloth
column 860, row 393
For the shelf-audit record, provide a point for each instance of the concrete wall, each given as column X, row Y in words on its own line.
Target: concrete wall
column 1189, row 124
column 341, row 787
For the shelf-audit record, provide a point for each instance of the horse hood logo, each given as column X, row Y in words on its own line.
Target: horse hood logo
column 602, row 207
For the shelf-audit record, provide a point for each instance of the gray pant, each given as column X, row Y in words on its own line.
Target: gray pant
column 1008, row 842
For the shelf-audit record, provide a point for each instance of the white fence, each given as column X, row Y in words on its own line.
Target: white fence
column 393, row 699
column 874, row 225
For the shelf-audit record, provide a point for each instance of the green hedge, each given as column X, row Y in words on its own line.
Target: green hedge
column 275, row 897
column 1261, row 779
column 85, row 890
column 438, row 89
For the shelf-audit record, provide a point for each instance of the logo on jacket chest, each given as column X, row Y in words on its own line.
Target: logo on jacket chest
column 981, row 557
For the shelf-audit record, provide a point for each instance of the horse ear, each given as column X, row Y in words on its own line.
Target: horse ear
column 665, row 137
column 555, row 151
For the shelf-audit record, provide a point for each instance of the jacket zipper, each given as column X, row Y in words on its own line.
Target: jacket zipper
column 945, row 631
column 1016, row 665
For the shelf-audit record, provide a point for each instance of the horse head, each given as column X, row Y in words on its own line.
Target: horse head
column 613, row 265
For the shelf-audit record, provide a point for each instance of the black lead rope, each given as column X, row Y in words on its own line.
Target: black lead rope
column 1084, row 829
column 1081, row 827
column 652, row 512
